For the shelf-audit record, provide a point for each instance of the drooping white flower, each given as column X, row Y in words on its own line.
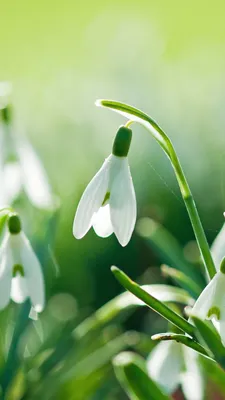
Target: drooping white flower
column 211, row 302
column 20, row 167
column 20, row 270
column 109, row 203
column 27, row 173
column 164, row 365
column 171, row 364
column 5, row 93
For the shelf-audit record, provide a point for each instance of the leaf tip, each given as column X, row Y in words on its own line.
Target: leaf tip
column 99, row 102
column 114, row 269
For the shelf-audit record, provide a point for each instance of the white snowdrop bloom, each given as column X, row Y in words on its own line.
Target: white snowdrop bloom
column 109, row 203
column 20, row 271
column 164, row 365
column 171, row 364
column 27, row 173
column 5, row 93
column 211, row 302
column 21, row 168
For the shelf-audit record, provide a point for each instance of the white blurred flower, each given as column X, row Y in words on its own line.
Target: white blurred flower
column 5, row 93
column 171, row 364
column 109, row 203
column 211, row 302
column 164, row 365
column 20, row 167
column 20, row 271
column 27, row 173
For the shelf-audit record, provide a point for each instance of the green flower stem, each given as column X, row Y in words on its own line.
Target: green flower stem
column 136, row 115
column 152, row 302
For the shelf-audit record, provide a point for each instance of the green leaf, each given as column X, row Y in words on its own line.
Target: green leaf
column 152, row 302
column 211, row 339
column 182, row 280
column 131, row 372
column 186, row 340
column 214, row 373
column 125, row 302
column 168, row 248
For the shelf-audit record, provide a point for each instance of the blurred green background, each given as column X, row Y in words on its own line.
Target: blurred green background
column 166, row 58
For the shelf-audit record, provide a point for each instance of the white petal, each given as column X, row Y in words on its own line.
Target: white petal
column 218, row 247
column 19, row 291
column 101, row 222
column 192, row 380
column 12, row 180
column 164, row 365
column 5, row 273
column 205, row 300
column 32, row 271
column 122, row 201
column 35, row 180
column 91, row 200
column 220, row 325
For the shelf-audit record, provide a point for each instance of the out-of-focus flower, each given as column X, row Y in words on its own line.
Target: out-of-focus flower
column 21, row 275
column 171, row 364
column 26, row 172
column 109, row 203
column 20, row 167
column 211, row 302
column 5, row 93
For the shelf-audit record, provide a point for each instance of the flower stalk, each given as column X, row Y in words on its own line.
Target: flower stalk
column 136, row 115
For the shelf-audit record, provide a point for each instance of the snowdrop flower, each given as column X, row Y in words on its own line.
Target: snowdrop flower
column 171, row 364
column 109, row 203
column 5, row 93
column 27, row 173
column 21, row 168
column 211, row 302
column 20, row 271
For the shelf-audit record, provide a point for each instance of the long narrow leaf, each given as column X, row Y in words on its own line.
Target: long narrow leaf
column 152, row 302
column 131, row 372
column 186, row 340
column 182, row 280
column 167, row 247
column 127, row 301
column 211, row 338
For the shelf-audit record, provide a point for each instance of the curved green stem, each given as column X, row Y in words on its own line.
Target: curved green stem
column 136, row 115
